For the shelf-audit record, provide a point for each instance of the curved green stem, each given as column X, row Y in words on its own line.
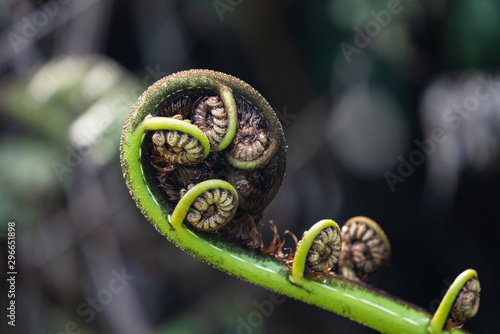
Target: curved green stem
column 227, row 98
column 438, row 321
column 347, row 298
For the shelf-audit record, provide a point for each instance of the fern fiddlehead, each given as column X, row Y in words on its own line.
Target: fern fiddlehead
column 203, row 154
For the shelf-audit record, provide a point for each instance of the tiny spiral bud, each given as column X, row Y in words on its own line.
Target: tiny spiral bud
column 466, row 304
column 212, row 210
column 325, row 250
column 178, row 147
column 365, row 248
column 251, row 140
column 158, row 138
column 254, row 143
column 211, row 117
column 213, row 102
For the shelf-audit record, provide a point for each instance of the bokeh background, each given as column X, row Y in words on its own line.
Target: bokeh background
column 359, row 86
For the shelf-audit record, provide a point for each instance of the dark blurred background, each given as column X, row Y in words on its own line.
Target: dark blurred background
column 391, row 110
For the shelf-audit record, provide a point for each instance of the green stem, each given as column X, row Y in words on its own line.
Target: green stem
column 438, row 321
column 341, row 296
